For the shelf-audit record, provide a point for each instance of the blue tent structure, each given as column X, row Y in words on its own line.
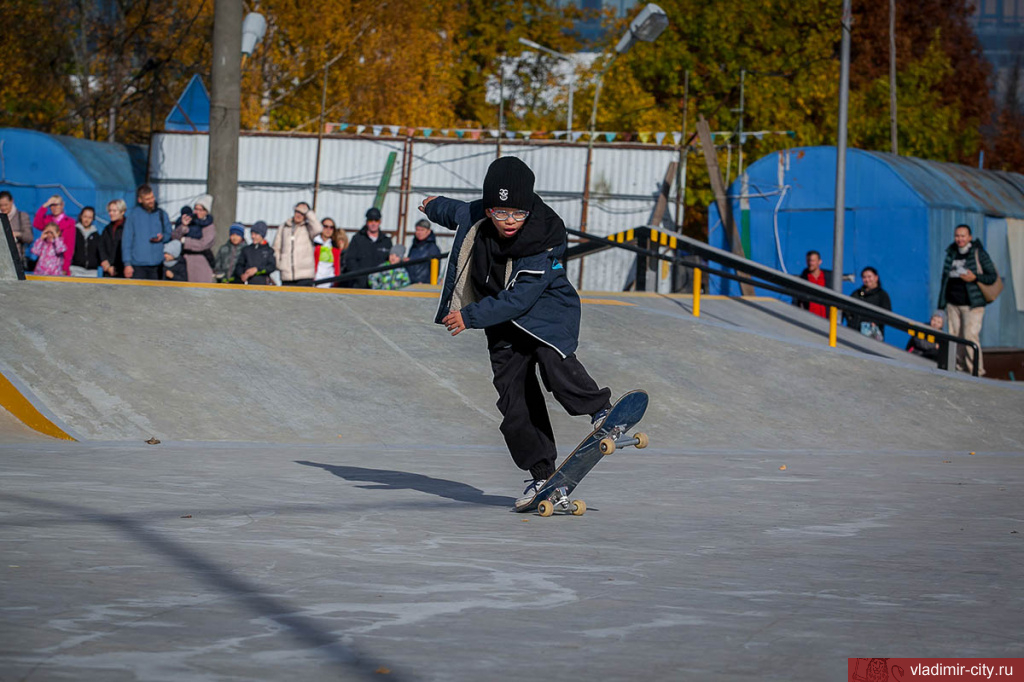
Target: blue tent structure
column 34, row 166
column 191, row 113
column 900, row 216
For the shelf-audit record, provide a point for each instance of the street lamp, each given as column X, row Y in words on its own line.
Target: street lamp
column 254, row 27
column 572, row 77
column 646, row 26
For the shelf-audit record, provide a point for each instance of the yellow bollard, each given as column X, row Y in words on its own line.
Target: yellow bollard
column 696, row 292
column 434, row 265
column 833, row 322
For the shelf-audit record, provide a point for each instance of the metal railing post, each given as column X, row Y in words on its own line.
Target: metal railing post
column 643, row 241
column 696, row 292
column 435, row 265
column 833, row 325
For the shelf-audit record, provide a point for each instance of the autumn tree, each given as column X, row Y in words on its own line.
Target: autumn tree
column 106, row 70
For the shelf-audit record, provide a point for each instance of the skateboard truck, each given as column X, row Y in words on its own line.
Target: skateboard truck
column 559, row 499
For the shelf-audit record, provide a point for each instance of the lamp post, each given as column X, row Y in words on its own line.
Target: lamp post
column 646, row 26
column 572, row 77
column 233, row 39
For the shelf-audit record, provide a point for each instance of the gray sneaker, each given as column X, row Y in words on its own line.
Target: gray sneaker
column 531, row 491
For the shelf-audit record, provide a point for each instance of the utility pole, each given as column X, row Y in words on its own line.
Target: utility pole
column 892, row 76
column 225, row 112
column 684, row 153
column 739, row 170
column 844, row 100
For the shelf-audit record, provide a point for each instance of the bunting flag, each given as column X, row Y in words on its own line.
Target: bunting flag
column 411, row 131
column 644, row 137
column 558, row 134
column 676, row 137
column 444, row 131
column 360, row 129
column 460, row 133
column 494, row 133
column 609, row 137
column 393, row 129
column 576, row 135
column 328, row 127
column 510, row 134
column 526, row 134
column 342, row 127
column 427, row 131
column 377, row 129
column 658, row 137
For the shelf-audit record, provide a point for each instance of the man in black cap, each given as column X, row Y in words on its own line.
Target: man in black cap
column 423, row 246
column 506, row 276
column 368, row 248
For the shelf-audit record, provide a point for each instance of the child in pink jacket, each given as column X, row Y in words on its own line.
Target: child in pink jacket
column 53, row 211
column 49, row 250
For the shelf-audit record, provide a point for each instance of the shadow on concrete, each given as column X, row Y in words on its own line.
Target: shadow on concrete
column 386, row 479
column 351, row 662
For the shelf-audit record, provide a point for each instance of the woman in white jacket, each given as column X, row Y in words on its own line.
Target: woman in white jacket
column 293, row 247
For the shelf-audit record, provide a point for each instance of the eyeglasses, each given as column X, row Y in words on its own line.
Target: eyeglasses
column 518, row 216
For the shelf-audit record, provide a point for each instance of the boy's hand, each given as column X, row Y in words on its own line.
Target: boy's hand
column 129, row 271
column 247, row 275
column 423, row 204
column 454, row 323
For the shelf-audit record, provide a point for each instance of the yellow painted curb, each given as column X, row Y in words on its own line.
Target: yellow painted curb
column 116, row 281
column 18, row 405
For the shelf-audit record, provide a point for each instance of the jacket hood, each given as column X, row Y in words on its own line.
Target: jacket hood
column 542, row 231
column 86, row 231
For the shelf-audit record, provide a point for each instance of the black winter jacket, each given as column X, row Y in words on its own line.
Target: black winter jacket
column 109, row 246
column 422, row 249
column 987, row 276
column 363, row 253
column 876, row 296
column 259, row 256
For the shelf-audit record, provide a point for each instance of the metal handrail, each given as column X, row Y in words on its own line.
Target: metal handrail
column 783, row 283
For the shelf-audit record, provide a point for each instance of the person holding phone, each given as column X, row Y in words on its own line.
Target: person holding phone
column 146, row 229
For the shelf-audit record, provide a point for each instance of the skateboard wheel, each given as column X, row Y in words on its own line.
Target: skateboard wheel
column 579, row 507
column 545, row 508
column 607, row 446
column 641, row 440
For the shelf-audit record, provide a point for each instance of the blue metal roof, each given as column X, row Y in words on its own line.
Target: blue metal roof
column 951, row 185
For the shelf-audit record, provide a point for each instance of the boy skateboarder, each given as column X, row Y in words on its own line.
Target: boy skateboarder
column 506, row 276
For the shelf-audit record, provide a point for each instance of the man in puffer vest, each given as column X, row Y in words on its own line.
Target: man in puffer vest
column 506, row 275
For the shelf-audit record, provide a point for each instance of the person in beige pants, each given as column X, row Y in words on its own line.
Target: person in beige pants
column 967, row 263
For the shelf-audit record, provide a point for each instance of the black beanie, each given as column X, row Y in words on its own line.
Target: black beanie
column 509, row 184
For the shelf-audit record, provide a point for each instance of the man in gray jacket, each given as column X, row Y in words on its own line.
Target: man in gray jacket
column 146, row 229
column 21, row 223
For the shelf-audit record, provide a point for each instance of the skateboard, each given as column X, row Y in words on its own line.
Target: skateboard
column 604, row 440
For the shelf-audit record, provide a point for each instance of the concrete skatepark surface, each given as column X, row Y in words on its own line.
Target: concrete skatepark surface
column 330, row 499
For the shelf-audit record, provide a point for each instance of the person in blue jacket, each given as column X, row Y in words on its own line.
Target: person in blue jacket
column 146, row 229
column 506, row 275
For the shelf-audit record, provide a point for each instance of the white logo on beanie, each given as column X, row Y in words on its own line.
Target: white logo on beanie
column 503, row 194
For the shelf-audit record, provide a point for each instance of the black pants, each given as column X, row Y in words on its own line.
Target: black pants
column 148, row 272
column 515, row 358
column 297, row 283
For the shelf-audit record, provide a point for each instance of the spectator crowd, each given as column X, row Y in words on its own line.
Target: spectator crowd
column 145, row 242
column 969, row 283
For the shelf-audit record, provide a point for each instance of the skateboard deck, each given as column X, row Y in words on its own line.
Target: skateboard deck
column 604, row 440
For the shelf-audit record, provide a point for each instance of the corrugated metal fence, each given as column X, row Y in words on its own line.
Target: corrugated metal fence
column 277, row 171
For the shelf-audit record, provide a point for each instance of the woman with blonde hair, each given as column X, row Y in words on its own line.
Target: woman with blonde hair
column 111, row 260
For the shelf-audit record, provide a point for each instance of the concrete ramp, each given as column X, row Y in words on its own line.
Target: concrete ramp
column 120, row 361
